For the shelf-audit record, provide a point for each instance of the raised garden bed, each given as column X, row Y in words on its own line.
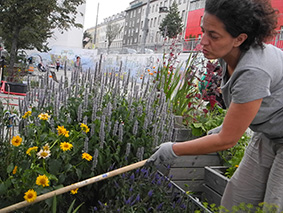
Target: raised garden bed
column 214, row 184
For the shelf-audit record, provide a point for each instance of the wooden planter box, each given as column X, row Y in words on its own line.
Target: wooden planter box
column 188, row 171
column 214, row 184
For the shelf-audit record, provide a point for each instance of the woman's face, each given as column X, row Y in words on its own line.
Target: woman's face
column 216, row 41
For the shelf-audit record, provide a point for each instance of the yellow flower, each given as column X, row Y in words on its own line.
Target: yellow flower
column 74, row 191
column 44, row 116
column 43, row 154
column 27, row 114
column 16, row 140
column 236, row 166
column 15, row 170
column 30, row 195
column 34, row 148
column 66, row 146
column 84, row 128
column 86, row 156
column 42, row 180
column 62, row 131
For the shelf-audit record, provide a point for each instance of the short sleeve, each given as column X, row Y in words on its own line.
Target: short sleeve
column 250, row 85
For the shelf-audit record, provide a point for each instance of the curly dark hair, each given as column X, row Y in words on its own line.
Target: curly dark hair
column 256, row 18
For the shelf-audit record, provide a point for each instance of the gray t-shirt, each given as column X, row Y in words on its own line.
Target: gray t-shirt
column 259, row 74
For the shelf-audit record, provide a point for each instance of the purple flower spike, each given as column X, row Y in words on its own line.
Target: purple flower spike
column 132, row 177
column 159, row 206
column 150, row 193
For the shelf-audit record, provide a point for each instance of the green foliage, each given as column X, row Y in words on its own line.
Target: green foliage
column 233, row 156
column 144, row 190
column 206, row 120
column 177, row 80
column 122, row 126
column 28, row 24
column 243, row 207
column 172, row 24
column 87, row 37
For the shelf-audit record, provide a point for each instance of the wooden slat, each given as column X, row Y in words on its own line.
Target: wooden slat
column 191, row 186
column 215, row 180
column 197, row 161
column 211, row 196
column 187, row 173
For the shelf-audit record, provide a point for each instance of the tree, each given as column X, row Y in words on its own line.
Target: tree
column 172, row 24
column 86, row 38
column 28, row 24
column 112, row 31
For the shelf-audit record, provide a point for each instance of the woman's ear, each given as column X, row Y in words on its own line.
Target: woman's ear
column 240, row 39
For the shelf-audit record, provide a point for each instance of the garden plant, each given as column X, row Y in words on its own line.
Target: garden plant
column 96, row 122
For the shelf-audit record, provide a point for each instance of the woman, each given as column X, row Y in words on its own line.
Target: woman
column 234, row 31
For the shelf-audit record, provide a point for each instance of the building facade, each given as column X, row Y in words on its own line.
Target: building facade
column 134, row 31
column 71, row 38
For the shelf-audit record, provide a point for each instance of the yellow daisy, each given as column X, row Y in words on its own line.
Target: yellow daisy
column 17, row 140
column 15, row 170
column 43, row 154
column 66, row 146
column 86, row 156
column 74, row 191
column 30, row 195
column 84, row 128
column 42, row 180
column 34, row 148
column 27, row 114
column 44, row 116
column 62, row 131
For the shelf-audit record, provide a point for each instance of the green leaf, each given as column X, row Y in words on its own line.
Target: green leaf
column 78, row 208
column 3, row 188
column 71, row 206
column 54, row 166
column 79, row 173
column 10, row 168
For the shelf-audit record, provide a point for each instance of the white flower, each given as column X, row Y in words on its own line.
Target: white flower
column 43, row 154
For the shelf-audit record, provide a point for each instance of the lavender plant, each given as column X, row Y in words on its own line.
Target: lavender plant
column 101, row 122
column 144, row 190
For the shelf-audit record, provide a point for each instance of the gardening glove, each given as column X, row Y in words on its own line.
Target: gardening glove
column 164, row 154
column 215, row 130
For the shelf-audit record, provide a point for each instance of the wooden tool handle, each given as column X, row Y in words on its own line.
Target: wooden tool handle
column 74, row 186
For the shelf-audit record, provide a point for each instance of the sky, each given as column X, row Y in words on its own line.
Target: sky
column 106, row 9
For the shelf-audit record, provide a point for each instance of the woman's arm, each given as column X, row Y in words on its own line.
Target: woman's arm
column 236, row 122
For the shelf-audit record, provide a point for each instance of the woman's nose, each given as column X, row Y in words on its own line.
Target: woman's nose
column 203, row 40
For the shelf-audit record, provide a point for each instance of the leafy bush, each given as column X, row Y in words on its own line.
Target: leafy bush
column 102, row 122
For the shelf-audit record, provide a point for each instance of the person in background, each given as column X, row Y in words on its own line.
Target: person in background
column 2, row 66
column 235, row 32
column 57, row 65
column 77, row 63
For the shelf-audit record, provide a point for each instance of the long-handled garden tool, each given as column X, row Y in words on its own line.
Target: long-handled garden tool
column 74, row 186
